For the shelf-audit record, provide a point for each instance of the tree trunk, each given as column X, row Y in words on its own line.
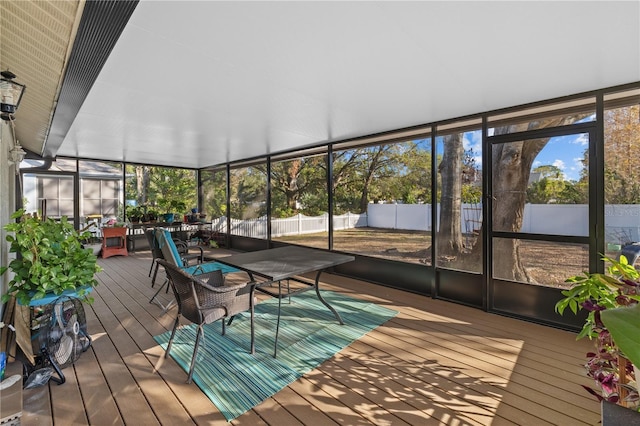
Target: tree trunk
column 449, row 241
column 374, row 163
column 292, row 191
column 511, row 164
column 142, row 184
column 511, row 170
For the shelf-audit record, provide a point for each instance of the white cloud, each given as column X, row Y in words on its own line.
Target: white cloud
column 472, row 140
column 559, row 164
column 582, row 140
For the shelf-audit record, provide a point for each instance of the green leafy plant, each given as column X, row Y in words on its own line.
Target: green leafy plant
column 172, row 205
column 613, row 321
column 134, row 213
column 50, row 259
column 177, row 207
column 152, row 214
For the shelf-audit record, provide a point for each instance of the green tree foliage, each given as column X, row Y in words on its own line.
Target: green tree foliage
column 471, row 179
column 413, row 185
column 347, row 187
column 214, row 193
column 622, row 162
column 386, row 173
column 161, row 187
column 552, row 188
column 248, row 194
column 299, row 186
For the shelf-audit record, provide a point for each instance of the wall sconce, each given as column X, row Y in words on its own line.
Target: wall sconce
column 10, row 95
column 17, row 154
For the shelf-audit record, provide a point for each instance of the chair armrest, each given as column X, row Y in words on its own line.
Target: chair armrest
column 221, row 288
column 201, row 254
column 183, row 249
column 181, row 246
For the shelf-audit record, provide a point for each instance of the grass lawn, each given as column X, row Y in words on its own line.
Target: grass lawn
column 547, row 263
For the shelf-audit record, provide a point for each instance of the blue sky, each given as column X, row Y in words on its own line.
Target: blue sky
column 564, row 152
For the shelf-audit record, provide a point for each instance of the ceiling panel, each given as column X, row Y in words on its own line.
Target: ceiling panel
column 198, row 83
column 35, row 39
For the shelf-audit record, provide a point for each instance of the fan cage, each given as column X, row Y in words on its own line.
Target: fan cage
column 60, row 329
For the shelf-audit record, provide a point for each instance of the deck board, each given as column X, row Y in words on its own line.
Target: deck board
column 434, row 363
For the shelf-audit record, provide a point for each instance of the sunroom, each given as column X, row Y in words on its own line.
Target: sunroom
column 470, row 156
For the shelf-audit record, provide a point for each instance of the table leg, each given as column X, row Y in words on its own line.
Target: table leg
column 252, row 283
column 324, row 302
column 275, row 346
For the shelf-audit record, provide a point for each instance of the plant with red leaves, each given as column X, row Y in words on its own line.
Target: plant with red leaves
column 596, row 293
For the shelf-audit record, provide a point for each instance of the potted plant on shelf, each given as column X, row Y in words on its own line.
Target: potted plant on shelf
column 134, row 213
column 50, row 259
column 152, row 214
column 172, row 208
column 613, row 322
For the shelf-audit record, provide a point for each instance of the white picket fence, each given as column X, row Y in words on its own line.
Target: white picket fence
column 296, row 225
column 622, row 221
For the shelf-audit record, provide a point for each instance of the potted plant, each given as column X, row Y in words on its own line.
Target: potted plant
column 613, row 322
column 50, row 259
column 89, row 237
column 152, row 214
column 178, row 207
column 172, row 207
column 134, row 213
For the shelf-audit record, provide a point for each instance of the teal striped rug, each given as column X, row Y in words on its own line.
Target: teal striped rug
column 235, row 381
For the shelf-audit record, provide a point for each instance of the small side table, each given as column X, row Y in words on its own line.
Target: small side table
column 114, row 242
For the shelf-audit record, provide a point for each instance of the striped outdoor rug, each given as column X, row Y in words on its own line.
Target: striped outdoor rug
column 235, row 381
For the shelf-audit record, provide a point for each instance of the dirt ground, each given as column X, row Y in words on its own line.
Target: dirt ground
column 547, row 263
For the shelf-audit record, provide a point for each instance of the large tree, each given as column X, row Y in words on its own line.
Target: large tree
column 295, row 180
column 511, row 164
column 622, row 162
column 450, row 243
column 142, row 184
column 214, row 193
column 248, row 194
column 379, row 163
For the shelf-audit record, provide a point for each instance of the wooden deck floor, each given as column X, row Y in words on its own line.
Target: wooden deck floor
column 434, row 363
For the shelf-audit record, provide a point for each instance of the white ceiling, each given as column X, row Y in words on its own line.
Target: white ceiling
column 195, row 84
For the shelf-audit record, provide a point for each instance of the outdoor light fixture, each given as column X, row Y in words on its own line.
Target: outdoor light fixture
column 10, row 95
column 17, row 154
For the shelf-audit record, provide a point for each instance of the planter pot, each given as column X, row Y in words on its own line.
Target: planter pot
column 95, row 247
column 168, row 217
column 615, row 415
column 51, row 297
column 114, row 242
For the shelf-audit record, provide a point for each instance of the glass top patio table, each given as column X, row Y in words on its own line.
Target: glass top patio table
column 283, row 263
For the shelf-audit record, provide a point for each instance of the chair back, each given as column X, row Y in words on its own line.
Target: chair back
column 153, row 244
column 168, row 247
column 196, row 297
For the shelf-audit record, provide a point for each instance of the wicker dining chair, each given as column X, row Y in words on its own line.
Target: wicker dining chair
column 204, row 299
column 156, row 252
